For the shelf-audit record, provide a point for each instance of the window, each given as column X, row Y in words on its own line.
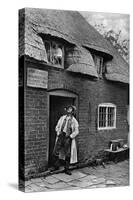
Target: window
column 106, row 116
column 55, row 53
column 99, row 64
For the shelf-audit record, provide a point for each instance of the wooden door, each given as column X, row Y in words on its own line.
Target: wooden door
column 57, row 105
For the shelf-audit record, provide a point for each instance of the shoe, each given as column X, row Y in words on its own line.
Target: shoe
column 54, row 169
column 68, row 172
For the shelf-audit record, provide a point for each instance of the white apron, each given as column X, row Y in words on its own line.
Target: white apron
column 75, row 132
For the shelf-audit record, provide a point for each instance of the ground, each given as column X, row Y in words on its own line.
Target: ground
column 88, row 177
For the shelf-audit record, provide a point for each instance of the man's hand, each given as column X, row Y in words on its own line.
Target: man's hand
column 69, row 137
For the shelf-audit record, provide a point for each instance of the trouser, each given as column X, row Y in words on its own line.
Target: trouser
column 63, row 143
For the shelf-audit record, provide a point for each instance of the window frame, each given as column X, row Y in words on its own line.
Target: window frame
column 101, row 67
column 107, row 105
column 63, row 52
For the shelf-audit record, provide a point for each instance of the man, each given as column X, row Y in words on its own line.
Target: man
column 65, row 145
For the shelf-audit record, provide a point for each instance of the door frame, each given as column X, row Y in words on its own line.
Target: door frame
column 61, row 93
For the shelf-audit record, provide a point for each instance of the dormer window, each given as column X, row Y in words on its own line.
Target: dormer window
column 55, row 53
column 99, row 63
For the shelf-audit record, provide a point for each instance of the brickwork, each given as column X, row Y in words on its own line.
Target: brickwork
column 90, row 93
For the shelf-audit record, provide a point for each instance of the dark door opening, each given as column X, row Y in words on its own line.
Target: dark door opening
column 57, row 105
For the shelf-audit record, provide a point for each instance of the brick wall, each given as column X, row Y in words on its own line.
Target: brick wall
column 21, row 119
column 91, row 93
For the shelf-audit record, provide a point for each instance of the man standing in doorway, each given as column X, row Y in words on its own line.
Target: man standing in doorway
column 65, row 146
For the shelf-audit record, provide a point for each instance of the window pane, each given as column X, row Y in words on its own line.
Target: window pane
column 47, row 46
column 110, row 121
column 99, row 64
column 57, row 53
column 102, row 116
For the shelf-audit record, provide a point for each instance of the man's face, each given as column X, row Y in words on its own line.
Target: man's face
column 69, row 110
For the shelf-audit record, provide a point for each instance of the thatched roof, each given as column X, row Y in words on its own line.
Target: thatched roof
column 117, row 69
column 80, row 60
column 71, row 27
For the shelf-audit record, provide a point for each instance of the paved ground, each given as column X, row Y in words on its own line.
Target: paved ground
column 88, row 177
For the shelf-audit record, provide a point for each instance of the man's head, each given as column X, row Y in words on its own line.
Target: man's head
column 70, row 109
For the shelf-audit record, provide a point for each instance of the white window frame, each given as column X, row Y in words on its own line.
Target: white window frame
column 107, row 105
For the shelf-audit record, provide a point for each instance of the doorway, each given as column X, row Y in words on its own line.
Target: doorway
column 57, row 105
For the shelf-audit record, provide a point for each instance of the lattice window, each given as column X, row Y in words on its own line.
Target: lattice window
column 106, row 116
